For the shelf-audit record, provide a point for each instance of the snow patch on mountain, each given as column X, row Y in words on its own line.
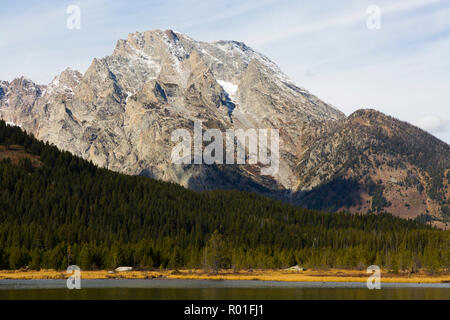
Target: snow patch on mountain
column 12, row 124
column 175, row 48
column 129, row 94
column 230, row 88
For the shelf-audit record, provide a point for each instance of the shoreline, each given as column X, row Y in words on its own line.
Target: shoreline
column 310, row 275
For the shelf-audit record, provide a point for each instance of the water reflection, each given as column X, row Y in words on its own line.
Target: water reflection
column 217, row 290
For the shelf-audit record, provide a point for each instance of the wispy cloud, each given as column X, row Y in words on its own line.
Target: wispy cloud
column 349, row 19
column 433, row 124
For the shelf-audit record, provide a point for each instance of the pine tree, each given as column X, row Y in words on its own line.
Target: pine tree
column 216, row 253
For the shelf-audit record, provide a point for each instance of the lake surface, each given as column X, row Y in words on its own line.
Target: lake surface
column 218, row 290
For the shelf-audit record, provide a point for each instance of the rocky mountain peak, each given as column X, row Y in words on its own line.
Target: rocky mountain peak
column 64, row 83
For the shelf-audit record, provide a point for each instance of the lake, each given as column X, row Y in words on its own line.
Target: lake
column 165, row 289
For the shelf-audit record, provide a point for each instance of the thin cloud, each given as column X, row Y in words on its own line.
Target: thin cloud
column 433, row 124
column 341, row 21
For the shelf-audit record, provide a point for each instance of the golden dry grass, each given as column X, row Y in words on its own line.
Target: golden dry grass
column 316, row 275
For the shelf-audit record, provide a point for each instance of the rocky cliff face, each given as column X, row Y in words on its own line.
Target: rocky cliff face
column 121, row 112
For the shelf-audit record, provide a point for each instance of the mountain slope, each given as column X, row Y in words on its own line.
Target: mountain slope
column 61, row 210
column 374, row 162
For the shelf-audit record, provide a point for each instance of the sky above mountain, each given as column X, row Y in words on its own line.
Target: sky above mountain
column 401, row 69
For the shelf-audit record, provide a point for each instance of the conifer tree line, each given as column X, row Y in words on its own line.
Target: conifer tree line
column 68, row 211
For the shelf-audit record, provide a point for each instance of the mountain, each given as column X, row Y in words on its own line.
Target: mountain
column 57, row 209
column 121, row 113
column 370, row 162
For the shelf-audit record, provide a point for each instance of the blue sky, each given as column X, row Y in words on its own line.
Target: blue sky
column 401, row 69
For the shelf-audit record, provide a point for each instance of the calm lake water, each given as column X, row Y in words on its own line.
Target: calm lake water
column 217, row 290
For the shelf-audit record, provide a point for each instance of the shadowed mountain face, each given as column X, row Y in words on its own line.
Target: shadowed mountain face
column 370, row 162
column 120, row 114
